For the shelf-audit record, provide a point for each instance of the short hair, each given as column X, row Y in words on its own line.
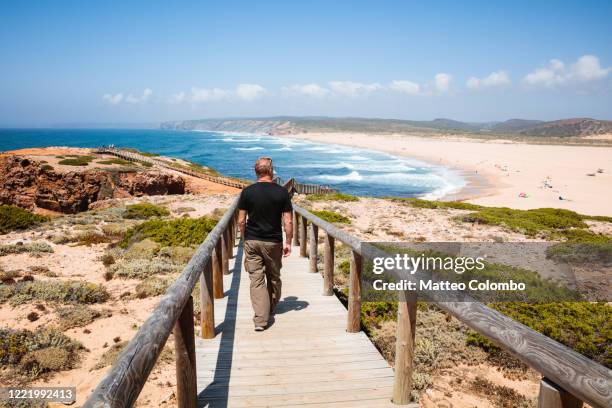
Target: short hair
column 263, row 167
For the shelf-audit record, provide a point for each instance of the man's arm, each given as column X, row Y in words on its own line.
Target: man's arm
column 288, row 224
column 242, row 221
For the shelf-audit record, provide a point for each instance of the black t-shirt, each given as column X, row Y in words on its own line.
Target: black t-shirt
column 264, row 203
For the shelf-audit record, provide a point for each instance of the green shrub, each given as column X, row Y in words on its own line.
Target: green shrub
column 332, row 197
column 332, row 217
column 76, row 160
column 179, row 232
column 46, row 167
column 53, row 291
column 144, row 211
column 37, row 352
column 177, row 254
column 77, row 316
column 14, row 218
column 34, row 247
column 581, row 252
column 143, row 268
column 420, row 203
column 145, row 249
column 529, row 222
column 90, row 238
column 110, row 356
column 152, row 287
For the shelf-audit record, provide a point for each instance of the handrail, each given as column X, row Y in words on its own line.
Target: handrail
column 123, row 154
column 573, row 372
column 123, row 383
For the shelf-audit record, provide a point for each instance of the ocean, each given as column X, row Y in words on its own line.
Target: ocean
column 351, row 170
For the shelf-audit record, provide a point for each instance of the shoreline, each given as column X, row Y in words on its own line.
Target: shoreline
column 502, row 173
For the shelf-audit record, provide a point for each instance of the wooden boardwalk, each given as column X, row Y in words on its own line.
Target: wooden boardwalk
column 305, row 357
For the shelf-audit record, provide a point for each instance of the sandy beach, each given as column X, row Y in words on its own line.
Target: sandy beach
column 499, row 172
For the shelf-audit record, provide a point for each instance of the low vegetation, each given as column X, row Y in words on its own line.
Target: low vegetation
column 581, row 252
column 32, row 353
column 115, row 160
column 332, row 197
column 152, row 287
column 14, row 218
column 177, row 232
column 76, row 160
column 78, row 316
column 144, row 211
column 20, row 247
column 548, row 223
column 332, row 217
column 67, row 292
column 143, row 268
column 500, row 396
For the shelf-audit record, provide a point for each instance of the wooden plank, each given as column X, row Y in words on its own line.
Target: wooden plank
column 184, row 350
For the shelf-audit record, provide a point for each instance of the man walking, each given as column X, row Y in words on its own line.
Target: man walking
column 263, row 206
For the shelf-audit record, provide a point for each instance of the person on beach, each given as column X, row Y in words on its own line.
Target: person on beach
column 264, row 207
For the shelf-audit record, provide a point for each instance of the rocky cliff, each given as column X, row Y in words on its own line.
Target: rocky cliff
column 25, row 183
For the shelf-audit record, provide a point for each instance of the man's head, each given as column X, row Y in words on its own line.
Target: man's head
column 263, row 167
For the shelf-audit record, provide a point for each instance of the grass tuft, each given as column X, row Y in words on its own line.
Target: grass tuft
column 67, row 292
column 144, row 211
column 14, row 218
column 332, row 217
column 76, row 160
column 178, row 232
column 332, row 197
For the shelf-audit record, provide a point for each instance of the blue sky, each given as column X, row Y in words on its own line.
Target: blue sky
column 73, row 61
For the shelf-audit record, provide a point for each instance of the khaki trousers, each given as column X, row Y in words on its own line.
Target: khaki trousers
column 263, row 262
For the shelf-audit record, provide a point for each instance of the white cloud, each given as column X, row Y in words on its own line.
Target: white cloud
column 407, row 87
column 442, row 82
column 177, row 98
column 313, row 90
column 250, row 92
column 113, row 99
column 494, row 79
column 207, row 95
column 586, row 68
column 350, row 88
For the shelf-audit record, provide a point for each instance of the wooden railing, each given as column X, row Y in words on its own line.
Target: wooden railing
column 301, row 188
column 131, row 156
column 569, row 378
column 174, row 313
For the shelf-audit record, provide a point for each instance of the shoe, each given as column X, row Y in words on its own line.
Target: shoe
column 259, row 328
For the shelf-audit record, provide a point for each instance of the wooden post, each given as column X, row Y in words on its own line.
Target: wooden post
column 354, row 300
column 303, row 238
column 553, row 396
column 184, row 347
column 296, row 220
column 224, row 258
column 314, row 243
column 230, row 239
column 217, row 272
column 404, row 347
column 207, row 303
column 328, row 272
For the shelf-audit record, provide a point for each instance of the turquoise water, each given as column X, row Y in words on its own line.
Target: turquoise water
column 351, row 170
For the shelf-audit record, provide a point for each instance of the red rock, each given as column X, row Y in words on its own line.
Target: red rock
column 23, row 183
